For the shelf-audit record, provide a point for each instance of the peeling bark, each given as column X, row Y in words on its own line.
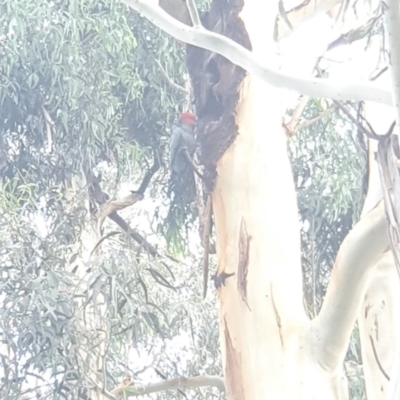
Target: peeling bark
column 243, row 266
column 216, row 86
column 379, row 316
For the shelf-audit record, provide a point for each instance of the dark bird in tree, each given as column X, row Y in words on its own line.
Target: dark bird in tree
column 182, row 147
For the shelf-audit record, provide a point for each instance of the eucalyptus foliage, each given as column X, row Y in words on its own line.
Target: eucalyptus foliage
column 82, row 95
column 329, row 163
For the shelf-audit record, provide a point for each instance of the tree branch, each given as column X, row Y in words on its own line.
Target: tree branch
column 169, row 80
column 300, row 14
column 355, row 261
column 136, row 236
column 312, row 121
column 313, row 87
column 353, row 35
column 294, row 124
column 113, row 206
column 101, row 198
column 150, row 173
column 194, row 14
column 174, row 384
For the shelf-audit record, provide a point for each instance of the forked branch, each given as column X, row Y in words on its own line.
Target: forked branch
column 358, row 255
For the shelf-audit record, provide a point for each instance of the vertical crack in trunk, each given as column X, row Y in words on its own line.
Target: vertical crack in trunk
column 243, row 265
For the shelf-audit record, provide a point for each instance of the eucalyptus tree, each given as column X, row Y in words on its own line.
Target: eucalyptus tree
column 240, row 106
column 93, row 302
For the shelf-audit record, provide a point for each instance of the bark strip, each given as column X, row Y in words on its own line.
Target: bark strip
column 243, row 265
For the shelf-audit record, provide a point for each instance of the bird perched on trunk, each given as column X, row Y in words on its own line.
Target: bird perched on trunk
column 182, row 147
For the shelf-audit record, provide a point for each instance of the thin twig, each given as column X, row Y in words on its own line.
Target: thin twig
column 116, row 205
column 312, row 121
column 283, row 15
column 191, row 162
column 194, row 14
column 189, row 92
column 368, row 132
column 169, row 80
column 377, row 359
column 150, row 173
column 50, row 125
column 291, row 126
column 376, row 75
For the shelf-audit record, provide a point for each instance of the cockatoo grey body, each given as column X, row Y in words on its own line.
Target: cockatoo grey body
column 182, row 137
column 182, row 144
